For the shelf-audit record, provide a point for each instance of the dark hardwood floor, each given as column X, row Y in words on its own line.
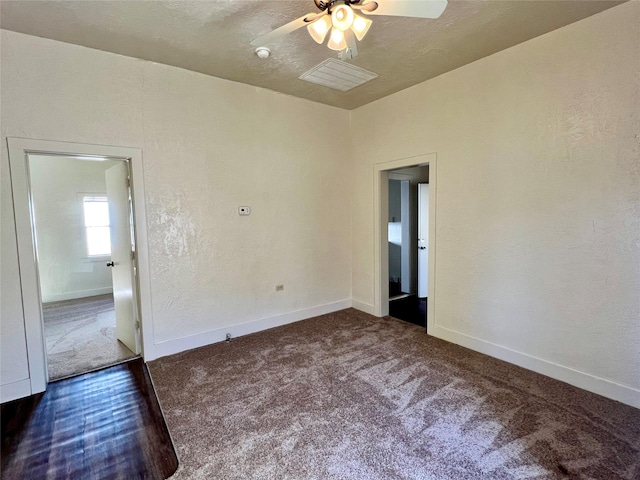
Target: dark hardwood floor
column 410, row 309
column 101, row 425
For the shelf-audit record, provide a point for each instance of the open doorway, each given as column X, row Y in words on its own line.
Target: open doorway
column 81, row 215
column 382, row 172
column 407, row 243
column 133, row 264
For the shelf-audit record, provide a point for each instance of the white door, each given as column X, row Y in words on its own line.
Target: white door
column 121, row 264
column 423, row 240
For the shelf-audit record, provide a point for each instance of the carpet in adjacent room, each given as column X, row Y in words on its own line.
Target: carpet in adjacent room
column 80, row 336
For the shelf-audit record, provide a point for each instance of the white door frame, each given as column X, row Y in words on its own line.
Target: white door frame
column 19, row 149
column 380, row 232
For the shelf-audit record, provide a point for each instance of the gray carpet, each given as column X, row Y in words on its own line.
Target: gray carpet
column 80, row 336
column 351, row 396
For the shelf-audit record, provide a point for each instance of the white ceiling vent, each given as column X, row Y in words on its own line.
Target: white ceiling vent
column 338, row 75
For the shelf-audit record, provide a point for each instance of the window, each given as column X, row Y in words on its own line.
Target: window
column 96, row 223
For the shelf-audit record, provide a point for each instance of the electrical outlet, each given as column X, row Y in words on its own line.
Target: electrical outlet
column 244, row 210
column 228, row 337
column 279, row 287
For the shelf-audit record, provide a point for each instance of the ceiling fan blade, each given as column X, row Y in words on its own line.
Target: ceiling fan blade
column 368, row 8
column 312, row 17
column 404, row 8
column 285, row 29
column 352, row 48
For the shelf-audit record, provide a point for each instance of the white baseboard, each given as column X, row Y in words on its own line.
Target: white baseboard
column 59, row 297
column 363, row 307
column 15, row 390
column 591, row 383
column 182, row 344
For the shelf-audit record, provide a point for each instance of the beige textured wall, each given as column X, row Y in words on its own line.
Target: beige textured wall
column 538, row 199
column 57, row 185
column 208, row 145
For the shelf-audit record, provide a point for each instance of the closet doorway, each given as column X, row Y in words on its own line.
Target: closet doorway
column 408, row 222
column 383, row 248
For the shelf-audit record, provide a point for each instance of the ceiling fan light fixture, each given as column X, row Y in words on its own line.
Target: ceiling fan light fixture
column 319, row 29
column 336, row 40
column 342, row 17
column 360, row 26
column 346, row 27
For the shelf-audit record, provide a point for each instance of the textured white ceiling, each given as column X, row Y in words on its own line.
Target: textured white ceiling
column 212, row 37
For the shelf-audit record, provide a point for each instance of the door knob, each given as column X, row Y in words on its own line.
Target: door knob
column 110, row 264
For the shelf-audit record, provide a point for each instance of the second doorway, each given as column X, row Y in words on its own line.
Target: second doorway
column 408, row 234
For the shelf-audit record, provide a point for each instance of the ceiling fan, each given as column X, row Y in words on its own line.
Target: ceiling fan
column 339, row 17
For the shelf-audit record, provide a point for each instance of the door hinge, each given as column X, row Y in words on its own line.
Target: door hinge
column 128, row 182
column 133, row 255
column 137, row 325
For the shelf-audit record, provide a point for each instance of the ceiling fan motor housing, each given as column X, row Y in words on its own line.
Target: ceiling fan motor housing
column 322, row 5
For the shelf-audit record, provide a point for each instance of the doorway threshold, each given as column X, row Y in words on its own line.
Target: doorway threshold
column 399, row 297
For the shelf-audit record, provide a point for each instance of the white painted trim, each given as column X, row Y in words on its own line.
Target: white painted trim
column 380, row 245
column 18, row 149
column 29, row 279
column 15, row 390
column 141, row 263
column 591, row 383
column 59, row 297
column 433, row 201
column 363, row 307
column 170, row 347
